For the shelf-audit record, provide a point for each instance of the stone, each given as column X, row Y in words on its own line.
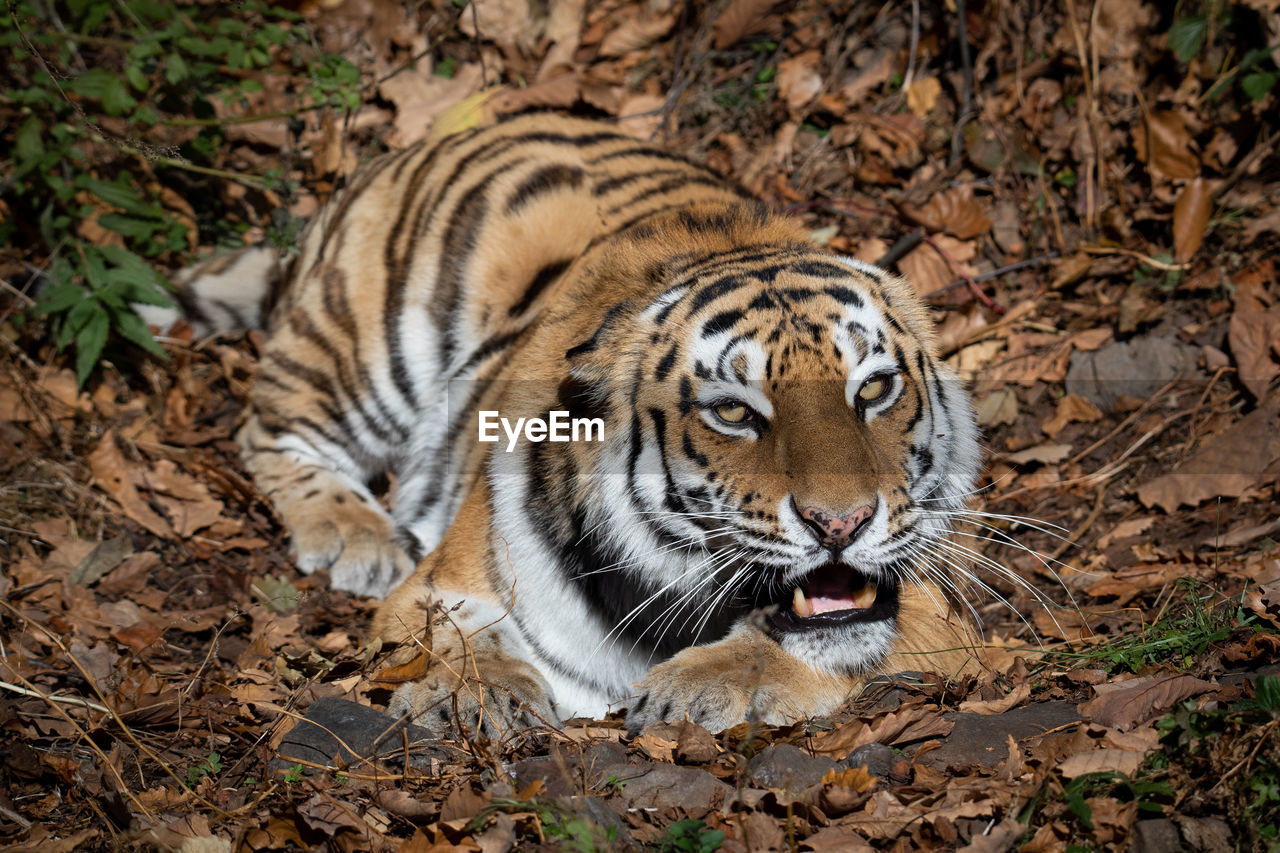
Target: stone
column 788, row 768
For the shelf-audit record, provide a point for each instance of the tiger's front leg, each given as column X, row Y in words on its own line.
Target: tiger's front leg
column 477, row 683
column 745, row 675
column 334, row 522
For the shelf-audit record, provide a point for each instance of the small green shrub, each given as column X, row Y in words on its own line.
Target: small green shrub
column 107, row 100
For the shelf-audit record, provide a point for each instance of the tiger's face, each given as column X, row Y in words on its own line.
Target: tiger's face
column 794, row 445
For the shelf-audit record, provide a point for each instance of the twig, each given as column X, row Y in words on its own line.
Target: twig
column 1137, row 413
column 997, row 272
column 1146, row 259
column 50, row 697
column 958, row 269
column 898, row 250
column 966, row 86
column 1073, row 539
column 915, row 44
column 128, row 733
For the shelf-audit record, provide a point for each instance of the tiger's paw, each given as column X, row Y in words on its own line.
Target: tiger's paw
column 492, row 709
column 708, row 692
column 356, row 546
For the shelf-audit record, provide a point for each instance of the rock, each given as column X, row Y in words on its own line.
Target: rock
column 595, row 811
column 877, row 758
column 1135, row 368
column 788, row 768
column 1159, row 835
column 981, row 739
column 561, row 772
column 351, row 733
column 662, row 786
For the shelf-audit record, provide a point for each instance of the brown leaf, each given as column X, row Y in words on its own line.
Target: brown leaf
column 1128, row 703
column 1254, row 336
column 329, row 816
column 117, row 478
column 1231, row 463
column 955, row 211
column 638, row 28
column 1071, row 409
column 1014, row 697
column 1101, row 761
column 742, row 18
column 1191, row 218
column 1043, row 453
column 798, row 79
column 421, row 97
column 922, row 95
column 1164, row 144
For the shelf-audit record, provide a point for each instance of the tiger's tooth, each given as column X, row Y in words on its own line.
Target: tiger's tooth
column 866, row 596
column 800, row 604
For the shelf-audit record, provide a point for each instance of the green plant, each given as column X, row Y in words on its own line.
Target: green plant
column 293, row 775
column 574, row 833
column 690, row 836
column 1194, row 29
column 208, row 766
column 1232, row 755
column 1182, row 633
column 109, row 102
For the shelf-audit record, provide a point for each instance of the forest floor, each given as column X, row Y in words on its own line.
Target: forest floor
column 1086, row 194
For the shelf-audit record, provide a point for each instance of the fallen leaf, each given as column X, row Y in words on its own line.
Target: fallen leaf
column 1071, row 409
column 1254, row 337
column 1231, row 463
column 742, row 18
column 1014, row 697
column 117, row 478
column 1163, row 142
column 422, row 99
column 1128, row 703
column 1043, row 453
column 798, row 79
column 1101, row 761
column 955, row 211
column 638, row 27
column 922, row 95
column 1191, row 218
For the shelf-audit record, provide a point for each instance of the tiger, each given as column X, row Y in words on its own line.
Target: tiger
column 748, row 526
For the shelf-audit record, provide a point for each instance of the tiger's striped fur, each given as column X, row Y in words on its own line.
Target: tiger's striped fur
column 548, row 263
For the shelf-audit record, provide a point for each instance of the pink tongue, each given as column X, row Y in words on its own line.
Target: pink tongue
column 825, row 604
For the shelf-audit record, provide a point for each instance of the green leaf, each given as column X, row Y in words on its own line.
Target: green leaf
column 1186, row 36
column 119, row 195
column 133, row 329
column 116, row 100
column 89, row 343
column 175, row 69
column 1259, row 84
column 28, row 145
column 129, row 226
column 55, row 300
column 136, row 78
column 76, row 320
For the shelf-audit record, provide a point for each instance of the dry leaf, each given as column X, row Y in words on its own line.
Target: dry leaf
column 1254, row 337
column 1043, row 453
column 998, row 407
column 1124, row 705
column 1231, row 463
column 798, row 79
column 1071, row 409
column 955, row 211
column 922, row 95
column 1013, row 698
column 1191, row 218
column 118, row 479
column 743, row 18
column 637, row 28
column 420, row 98
column 1164, row 144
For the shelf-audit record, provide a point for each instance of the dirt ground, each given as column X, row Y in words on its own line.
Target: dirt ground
column 1089, row 203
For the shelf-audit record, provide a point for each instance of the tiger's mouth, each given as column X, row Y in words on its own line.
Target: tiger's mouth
column 835, row 594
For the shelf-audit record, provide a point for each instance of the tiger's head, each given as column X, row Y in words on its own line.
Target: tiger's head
column 780, row 436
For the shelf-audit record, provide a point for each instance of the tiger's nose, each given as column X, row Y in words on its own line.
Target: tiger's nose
column 836, row 531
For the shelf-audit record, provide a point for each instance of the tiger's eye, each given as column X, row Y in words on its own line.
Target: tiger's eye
column 733, row 413
column 874, row 388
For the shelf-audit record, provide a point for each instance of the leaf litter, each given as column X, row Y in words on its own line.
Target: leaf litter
column 169, row 680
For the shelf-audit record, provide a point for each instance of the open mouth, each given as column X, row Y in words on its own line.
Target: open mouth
column 835, row 594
